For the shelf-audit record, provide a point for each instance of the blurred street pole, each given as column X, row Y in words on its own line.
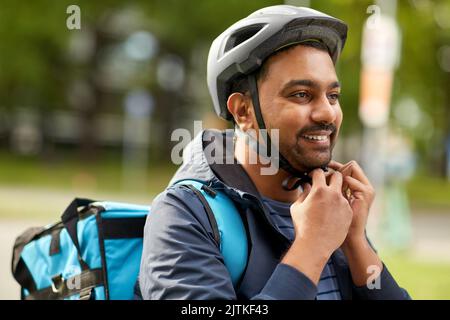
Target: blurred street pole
column 380, row 56
column 136, row 139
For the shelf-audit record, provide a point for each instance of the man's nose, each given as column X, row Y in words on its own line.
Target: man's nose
column 323, row 112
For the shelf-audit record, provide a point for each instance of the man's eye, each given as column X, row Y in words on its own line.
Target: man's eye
column 300, row 95
column 334, row 96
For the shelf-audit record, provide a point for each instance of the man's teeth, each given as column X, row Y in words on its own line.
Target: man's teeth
column 319, row 138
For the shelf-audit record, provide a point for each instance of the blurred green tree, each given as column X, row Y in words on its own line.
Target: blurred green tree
column 37, row 72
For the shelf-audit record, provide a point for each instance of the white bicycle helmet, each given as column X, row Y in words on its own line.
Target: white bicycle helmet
column 242, row 49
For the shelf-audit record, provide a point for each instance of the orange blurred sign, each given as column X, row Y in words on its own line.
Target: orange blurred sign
column 380, row 55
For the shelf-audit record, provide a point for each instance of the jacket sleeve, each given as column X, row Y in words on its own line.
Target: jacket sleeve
column 385, row 288
column 180, row 259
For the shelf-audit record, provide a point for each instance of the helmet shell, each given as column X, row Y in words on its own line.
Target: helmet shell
column 243, row 47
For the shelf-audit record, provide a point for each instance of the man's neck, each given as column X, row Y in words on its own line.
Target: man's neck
column 268, row 185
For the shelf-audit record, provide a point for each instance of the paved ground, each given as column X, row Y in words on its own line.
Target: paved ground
column 431, row 231
column 431, row 236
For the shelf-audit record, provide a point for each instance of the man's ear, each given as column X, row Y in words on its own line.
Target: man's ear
column 239, row 105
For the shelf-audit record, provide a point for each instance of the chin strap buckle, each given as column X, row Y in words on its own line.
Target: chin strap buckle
column 293, row 182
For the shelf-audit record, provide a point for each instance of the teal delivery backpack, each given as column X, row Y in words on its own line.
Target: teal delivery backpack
column 94, row 252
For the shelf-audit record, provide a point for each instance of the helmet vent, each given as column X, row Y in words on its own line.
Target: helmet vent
column 241, row 36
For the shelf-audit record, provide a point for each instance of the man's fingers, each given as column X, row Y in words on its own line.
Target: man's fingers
column 354, row 184
column 328, row 175
column 335, row 165
column 345, row 169
column 351, row 169
column 336, row 180
column 339, row 166
column 357, row 187
column 318, row 178
column 306, row 189
column 358, row 173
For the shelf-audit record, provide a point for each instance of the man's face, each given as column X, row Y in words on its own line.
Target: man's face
column 299, row 96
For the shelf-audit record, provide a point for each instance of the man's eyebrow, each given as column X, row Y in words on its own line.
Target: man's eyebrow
column 309, row 83
column 300, row 82
column 334, row 85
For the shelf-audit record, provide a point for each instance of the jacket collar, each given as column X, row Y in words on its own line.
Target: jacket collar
column 234, row 176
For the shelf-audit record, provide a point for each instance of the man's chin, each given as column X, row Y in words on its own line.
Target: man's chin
column 304, row 160
column 308, row 165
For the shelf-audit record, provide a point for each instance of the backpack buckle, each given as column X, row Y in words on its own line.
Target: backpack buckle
column 87, row 293
column 57, row 283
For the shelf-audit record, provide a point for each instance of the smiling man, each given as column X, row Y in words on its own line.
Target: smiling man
column 305, row 224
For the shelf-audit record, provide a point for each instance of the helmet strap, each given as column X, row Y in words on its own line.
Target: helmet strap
column 284, row 164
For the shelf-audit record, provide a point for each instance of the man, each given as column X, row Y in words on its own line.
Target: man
column 306, row 221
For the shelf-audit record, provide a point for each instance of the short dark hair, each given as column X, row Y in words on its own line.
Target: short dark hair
column 241, row 83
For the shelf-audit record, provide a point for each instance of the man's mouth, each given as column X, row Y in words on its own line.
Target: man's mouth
column 318, row 137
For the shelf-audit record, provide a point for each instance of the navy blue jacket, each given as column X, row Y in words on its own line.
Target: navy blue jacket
column 181, row 260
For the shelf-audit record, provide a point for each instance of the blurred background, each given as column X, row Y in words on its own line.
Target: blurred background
column 90, row 95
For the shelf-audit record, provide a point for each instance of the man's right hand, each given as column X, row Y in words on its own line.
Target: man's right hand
column 321, row 218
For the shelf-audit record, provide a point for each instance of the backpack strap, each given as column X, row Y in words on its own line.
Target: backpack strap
column 228, row 228
column 64, row 288
column 70, row 219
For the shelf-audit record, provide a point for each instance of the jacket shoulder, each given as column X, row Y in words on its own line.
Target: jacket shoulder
column 179, row 205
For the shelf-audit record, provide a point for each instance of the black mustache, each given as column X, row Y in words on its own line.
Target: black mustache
column 319, row 127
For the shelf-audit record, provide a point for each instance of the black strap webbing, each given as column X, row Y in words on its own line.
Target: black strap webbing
column 55, row 243
column 70, row 219
column 123, row 228
column 18, row 267
column 87, row 280
column 23, row 275
column 209, row 212
column 284, row 164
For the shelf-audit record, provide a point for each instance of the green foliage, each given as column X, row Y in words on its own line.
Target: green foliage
column 35, row 69
column 67, row 173
column 429, row 192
